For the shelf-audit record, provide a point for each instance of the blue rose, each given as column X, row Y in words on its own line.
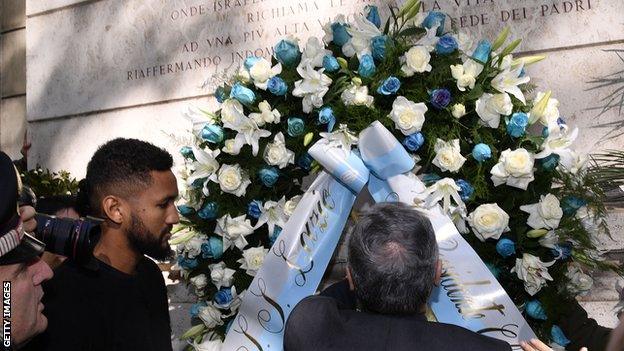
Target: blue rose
column 465, row 189
column 250, row 62
column 340, row 33
column 389, row 86
column 223, row 296
column 562, row 251
column 373, row 15
column 481, row 152
column 493, row 269
column 516, row 126
column 187, row 152
column 446, row 45
column 330, row 64
column 367, row 66
column 435, row 18
column 535, row 310
column 378, row 46
column 296, row 126
column 277, row 86
column 242, row 94
column 276, row 232
column 505, row 247
column 210, row 211
column 549, row 162
column 305, row 161
column 268, row 176
column 194, row 311
column 413, row 142
column 220, row 94
column 440, row 98
column 430, row 178
column 287, row 53
column 212, row 133
column 482, row 52
column 186, row 210
column 326, row 116
column 254, row 209
column 570, row 204
column 213, row 248
column 557, row 335
column 187, row 263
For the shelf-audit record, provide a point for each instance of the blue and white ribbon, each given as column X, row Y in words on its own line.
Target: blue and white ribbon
column 468, row 296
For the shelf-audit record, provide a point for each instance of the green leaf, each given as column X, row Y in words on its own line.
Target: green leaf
column 475, row 93
column 193, row 332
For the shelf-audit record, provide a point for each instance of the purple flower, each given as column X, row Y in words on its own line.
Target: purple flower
column 440, row 98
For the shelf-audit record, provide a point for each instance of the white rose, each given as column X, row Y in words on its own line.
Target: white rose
column 193, row 245
column 262, row 71
column 233, row 180
column 232, row 113
column 488, row 221
column 579, row 283
column 221, row 275
column 545, row 214
column 231, row 147
column 407, row 115
column 357, row 95
column 252, row 259
column 242, row 75
column 458, row 110
column 490, row 108
column 515, row 168
column 276, row 153
column 448, row 156
column 416, row 59
column 210, row 315
column 199, row 281
column 291, row 205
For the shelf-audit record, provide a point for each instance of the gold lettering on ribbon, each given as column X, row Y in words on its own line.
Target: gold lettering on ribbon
column 244, row 326
column 264, row 316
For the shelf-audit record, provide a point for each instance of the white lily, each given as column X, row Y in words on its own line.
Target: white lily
column 199, row 118
column 312, row 87
column 466, row 74
column 342, row 138
column 262, row 71
column 313, row 53
column 545, row 109
column 559, row 139
column 205, row 166
column 443, row 190
column 430, row 39
column 533, row 272
column 549, row 240
column 272, row 213
column 249, row 133
column 210, row 315
column 362, row 32
column 571, row 161
column 508, row 80
column 233, row 231
column 221, row 275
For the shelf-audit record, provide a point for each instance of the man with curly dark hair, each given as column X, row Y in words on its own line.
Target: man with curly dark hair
column 122, row 303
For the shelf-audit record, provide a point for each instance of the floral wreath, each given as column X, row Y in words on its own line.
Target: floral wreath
column 500, row 162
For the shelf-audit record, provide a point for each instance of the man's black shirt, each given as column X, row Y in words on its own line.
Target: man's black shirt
column 105, row 309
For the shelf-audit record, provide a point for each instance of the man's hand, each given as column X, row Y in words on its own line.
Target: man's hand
column 537, row 345
column 27, row 214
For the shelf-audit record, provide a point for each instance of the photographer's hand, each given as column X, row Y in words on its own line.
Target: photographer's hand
column 27, row 214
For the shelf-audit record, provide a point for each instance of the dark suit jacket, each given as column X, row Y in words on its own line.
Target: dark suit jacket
column 325, row 323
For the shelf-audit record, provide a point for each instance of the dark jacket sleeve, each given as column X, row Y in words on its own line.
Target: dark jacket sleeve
column 340, row 292
column 582, row 330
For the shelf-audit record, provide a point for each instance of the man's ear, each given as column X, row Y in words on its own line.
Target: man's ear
column 438, row 273
column 114, row 209
column 350, row 279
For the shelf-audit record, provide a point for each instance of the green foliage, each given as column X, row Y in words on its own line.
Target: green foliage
column 46, row 183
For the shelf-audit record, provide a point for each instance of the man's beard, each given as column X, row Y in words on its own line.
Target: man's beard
column 146, row 242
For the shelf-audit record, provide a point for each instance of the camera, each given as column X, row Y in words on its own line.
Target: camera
column 72, row 238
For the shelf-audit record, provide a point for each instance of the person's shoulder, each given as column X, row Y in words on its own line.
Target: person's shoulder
column 312, row 319
column 468, row 338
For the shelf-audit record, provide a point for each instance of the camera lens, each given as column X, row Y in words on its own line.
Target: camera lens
column 68, row 237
